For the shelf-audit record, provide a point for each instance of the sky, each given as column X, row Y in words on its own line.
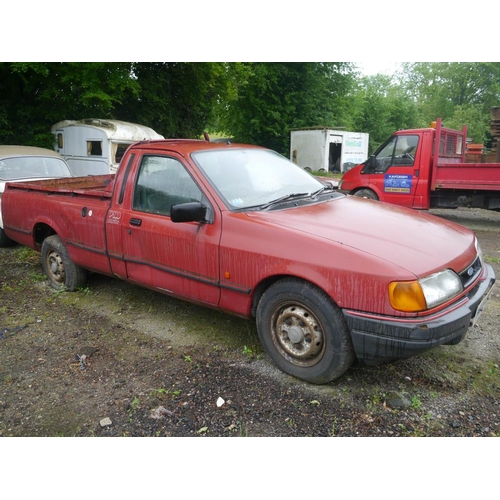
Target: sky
column 375, row 67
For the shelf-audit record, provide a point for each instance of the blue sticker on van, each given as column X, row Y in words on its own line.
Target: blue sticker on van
column 397, row 183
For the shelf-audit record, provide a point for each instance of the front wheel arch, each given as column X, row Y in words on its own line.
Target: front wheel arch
column 366, row 193
column 304, row 331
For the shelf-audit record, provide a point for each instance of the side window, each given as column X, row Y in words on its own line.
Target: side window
column 161, row 183
column 399, row 151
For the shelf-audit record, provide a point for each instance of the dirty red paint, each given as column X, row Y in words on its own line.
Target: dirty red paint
column 349, row 247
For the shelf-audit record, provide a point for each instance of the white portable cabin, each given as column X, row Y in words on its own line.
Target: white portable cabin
column 322, row 149
column 94, row 146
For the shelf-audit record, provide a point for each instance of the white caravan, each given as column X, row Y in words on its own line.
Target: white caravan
column 94, row 146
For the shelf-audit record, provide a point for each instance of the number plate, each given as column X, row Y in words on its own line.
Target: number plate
column 481, row 306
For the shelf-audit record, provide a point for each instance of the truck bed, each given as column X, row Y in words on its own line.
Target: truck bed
column 470, row 176
column 100, row 186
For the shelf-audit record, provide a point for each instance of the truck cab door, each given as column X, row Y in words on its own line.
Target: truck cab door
column 181, row 259
column 395, row 170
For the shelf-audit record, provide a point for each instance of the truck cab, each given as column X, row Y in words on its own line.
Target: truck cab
column 394, row 171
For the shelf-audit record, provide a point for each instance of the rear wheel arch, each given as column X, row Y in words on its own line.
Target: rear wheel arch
column 41, row 231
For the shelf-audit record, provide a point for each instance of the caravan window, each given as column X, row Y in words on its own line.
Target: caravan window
column 94, row 148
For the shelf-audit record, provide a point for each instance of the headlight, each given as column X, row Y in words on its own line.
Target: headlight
column 426, row 293
column 339, row 184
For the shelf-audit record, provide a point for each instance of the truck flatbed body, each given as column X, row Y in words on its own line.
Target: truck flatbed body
column 475, row 176
column 99, row 186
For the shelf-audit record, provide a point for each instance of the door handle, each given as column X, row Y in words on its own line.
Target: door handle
column 135, row 222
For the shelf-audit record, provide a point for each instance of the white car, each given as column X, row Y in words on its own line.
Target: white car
column 22, row 163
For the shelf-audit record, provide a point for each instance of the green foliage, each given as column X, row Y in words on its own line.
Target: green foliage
column 175, row 99
column 380, row 107
column 266, row 100
column 34, row 96
column 253, row 102
column 458, row 92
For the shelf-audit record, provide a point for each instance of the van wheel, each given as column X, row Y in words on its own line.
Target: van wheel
column 366, row 193
column 304, row 332
column 62, row 272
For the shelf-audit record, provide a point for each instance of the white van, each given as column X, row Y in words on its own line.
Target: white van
column 93, row 146
column 328, row 150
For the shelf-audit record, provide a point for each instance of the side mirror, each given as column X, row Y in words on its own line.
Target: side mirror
column 188, row 212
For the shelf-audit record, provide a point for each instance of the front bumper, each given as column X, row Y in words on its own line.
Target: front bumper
column 378, row 340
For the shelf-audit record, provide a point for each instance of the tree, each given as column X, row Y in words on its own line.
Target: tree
column 455, row 91
column 175, row 99
column 266, row 100
column 380, row 106
column 34, row 96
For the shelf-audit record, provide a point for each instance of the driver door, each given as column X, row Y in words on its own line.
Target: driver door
column 181, row 259
column 396, row 170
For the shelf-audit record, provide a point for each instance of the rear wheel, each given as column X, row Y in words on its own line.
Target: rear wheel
column 62, row 272
column 366, row 193
column 304, row 332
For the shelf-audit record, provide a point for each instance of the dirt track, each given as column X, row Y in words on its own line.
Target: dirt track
column 117, row 360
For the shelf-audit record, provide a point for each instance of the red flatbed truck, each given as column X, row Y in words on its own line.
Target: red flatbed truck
column 425, row 168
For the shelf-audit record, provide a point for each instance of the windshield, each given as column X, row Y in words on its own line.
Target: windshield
column 32, row 167
column 249, row 178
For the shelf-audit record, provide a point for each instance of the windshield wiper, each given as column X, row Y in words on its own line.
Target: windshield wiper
column 281, row 199
column 327, row 187
column 287, row 197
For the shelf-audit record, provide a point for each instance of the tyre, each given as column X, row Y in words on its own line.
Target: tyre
column 5, row 241
column 366, row 193
column 62, row 272
column 304, row 332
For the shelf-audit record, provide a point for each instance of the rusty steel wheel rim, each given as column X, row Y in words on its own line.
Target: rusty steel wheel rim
column 55, row 268
column 297, row 334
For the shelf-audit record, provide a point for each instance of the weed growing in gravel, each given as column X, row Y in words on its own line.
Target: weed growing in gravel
column 415, row 402
column 133, row 407
column 164, row 392
column 37, row 277
column 492, row 260
column 85, row 290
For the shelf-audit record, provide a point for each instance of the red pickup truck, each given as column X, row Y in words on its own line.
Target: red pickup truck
column 330, row 279
column 425, row 168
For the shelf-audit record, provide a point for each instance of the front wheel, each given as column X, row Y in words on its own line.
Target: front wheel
column 304, row 332
column 62, row 272
column 366, row 193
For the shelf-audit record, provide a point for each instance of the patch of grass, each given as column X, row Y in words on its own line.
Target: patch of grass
column 492, row 260
column 26, row 254
column 37, row 277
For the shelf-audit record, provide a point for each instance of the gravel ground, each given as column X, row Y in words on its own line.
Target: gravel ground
column 117, row 360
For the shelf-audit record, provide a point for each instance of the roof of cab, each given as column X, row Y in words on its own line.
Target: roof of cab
column 187, row 146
